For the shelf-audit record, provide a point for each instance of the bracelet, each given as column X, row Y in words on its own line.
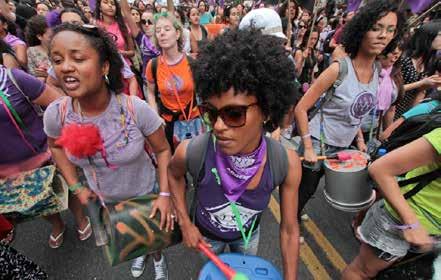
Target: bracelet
column 73, row 188
column 306, row 135
column 407, row 226
column 167, row 194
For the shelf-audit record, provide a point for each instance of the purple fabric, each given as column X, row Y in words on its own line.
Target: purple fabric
column 213, row 212
column 237, row 171
column 53, row 18
column 92, row 5
column 385, row 89
column 13, row 41
column 353, row 5
column 148, row 50
column 12, row 147
column 418, row 5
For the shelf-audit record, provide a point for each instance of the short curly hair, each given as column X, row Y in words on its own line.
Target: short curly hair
column 364, row 20
column 104, row 45
column 247, row 61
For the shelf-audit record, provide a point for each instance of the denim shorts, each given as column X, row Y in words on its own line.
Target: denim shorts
column 377, row 230
column 237, row 246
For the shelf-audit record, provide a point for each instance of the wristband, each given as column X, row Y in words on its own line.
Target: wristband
column 306, row 136
column 406, row 226
column 167, row 194
column 73, row 188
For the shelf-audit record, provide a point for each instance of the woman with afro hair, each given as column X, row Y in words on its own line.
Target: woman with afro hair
column 235, row 81
column 338, row 123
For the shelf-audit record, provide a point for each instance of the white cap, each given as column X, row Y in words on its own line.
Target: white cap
column 264, row 19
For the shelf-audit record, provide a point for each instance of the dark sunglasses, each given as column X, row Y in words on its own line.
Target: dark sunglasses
column 232, row 116
column 149, row 22
column 302, row 26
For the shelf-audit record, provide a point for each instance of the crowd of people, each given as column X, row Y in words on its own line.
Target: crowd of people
column 243, row 89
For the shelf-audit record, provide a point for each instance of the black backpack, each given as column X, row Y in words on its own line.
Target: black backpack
column 412, row 129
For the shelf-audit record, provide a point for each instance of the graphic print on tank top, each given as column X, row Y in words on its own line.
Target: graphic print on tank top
column 222, row 217
column 364, row 102
column 213, row 211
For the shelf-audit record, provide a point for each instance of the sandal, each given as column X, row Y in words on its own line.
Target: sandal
column 56, row 242
column 85, row 233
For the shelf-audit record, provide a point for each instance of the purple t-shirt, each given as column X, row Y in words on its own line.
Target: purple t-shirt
column 12, row 147
column 148, row 50
column 13, row 41
column 134, row 174
column 214, row 216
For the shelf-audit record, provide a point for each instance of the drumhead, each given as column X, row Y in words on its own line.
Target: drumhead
column 358, row 161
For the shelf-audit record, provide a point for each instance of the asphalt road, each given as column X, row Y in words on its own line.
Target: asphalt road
column 329, row 246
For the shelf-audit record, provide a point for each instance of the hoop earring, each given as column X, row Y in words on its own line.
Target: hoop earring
column 106, row 78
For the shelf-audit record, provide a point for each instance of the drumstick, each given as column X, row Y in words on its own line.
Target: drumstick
column 230, row 273
column 341, row 156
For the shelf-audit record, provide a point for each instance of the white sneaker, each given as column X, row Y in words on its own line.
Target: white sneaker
column 138, row 266
column 304, row 217
column 161, row 271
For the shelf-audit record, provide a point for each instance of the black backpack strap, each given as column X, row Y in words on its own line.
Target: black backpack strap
column 342, row 73
column 195, row 154
column 422, row 180
column 278, row 161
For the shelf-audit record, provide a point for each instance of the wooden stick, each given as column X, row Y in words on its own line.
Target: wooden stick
column 423, row 14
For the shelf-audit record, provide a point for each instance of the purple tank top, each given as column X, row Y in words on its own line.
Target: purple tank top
column 214, row 216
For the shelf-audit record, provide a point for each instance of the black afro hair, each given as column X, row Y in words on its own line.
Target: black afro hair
column 250, row 62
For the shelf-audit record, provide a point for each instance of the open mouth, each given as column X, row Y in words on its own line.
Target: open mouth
column 71, row 83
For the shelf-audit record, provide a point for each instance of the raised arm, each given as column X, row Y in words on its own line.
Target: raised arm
column 134, row 28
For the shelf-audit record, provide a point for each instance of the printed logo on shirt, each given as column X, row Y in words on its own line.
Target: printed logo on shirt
column 363, row 104
column 222, row 217
column 177, row 81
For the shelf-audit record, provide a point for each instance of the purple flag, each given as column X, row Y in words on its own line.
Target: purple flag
column 92, row 5
column 418, row 5
column 353, row 5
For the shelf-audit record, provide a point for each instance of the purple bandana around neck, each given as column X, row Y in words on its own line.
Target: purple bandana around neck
column 237, row 171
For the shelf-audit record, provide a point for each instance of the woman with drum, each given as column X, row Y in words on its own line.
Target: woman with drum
column 236, row 178
column 88, row 66
column 338, row 122
column 408, row 218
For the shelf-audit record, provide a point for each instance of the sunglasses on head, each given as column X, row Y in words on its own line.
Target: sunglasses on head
column 232, row 116
column 146, row 22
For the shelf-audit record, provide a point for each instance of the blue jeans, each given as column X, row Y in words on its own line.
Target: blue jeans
column 238, row 246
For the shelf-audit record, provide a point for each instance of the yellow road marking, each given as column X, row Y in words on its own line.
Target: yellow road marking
column 331, row 253
column 306, row 254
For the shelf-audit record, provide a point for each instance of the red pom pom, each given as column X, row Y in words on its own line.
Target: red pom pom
column 81, row 140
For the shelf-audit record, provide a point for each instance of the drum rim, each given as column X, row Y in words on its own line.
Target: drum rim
column 346, row 207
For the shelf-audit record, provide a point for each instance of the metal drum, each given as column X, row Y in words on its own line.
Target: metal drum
column 346, row 182
column 252, row 266
column 131, row 233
